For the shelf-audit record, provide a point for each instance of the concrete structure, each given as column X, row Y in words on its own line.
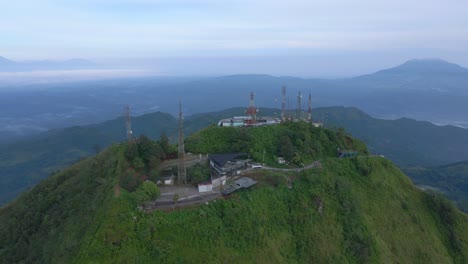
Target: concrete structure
column 241, row 121
column 217, row 181
column 168, row 180
column 281, row 160
column 205, row 187
column 317, row 124
column 236, row 121
column 239, row 184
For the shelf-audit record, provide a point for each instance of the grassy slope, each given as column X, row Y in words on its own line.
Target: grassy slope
column 48, row 223
column 378, row 218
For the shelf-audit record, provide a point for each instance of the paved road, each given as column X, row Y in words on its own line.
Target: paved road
column 313, row 165
column 196, row 199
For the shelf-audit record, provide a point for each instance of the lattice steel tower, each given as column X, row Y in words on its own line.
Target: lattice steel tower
column 181, row 169
column 251, row 110
column 299, row 106
column 309, row 109
column 128, row 123
column 283, row 103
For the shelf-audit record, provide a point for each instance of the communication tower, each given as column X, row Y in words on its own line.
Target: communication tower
column 299, row 106
column 181, row 169
column 251, row 110
column 283, row 104
column 128, row 123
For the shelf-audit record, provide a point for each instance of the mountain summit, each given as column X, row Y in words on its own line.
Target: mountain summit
column 426, row 66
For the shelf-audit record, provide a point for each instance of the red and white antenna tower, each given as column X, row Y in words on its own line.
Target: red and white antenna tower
column 251, row 110
column 309, row 110
column 128, row 123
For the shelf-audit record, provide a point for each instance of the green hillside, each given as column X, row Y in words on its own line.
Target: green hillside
column 450, row 179
column 371, row 213
column 25, row 163
column 49, row 223
column 298, row 142
column 406, row 142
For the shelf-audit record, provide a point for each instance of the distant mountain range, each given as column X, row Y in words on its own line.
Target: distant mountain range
column 405, row 141
column 7, row 65
column 432, row 90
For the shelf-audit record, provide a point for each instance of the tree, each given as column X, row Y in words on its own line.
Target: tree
column 138, row 163
column 130, row 182
column 286, row 148
column 164, row 143
column 147, row 149
column 198, row 173
column 147, row 191
column 131, row 152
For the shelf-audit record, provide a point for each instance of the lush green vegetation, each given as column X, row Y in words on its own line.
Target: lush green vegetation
column 297, row 142
column 451, row 179
column 147, row 191
column 198, row 173
column 378, row 218
column 49, row 223
column 405, row 141
column 349, row 211
column 25, row 163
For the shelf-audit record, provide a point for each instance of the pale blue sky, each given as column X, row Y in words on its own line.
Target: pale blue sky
column 374, row 33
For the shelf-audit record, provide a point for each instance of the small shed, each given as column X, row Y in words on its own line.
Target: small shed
column 205, row 187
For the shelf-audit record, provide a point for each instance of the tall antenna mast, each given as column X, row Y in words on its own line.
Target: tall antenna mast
column 309, row 109
column 128, row 123
column 299, row 107
column 181, row 170
column 251, row 110
column 283, row 103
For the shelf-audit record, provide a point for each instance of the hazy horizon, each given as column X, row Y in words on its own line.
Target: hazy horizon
column 205, row 38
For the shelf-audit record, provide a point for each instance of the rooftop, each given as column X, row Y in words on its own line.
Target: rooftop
column 222, row 159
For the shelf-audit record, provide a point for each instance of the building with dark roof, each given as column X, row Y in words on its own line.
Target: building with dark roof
column 227, row 163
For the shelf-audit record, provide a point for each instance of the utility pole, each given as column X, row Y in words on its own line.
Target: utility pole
column 181, row 169
column 128, row 123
